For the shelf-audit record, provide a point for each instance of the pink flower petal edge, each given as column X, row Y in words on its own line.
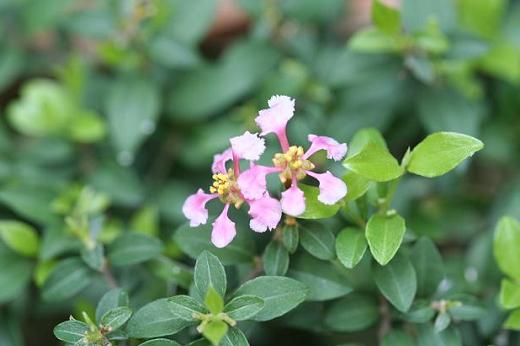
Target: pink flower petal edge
column 194, row 208
column 332, row 189
column 248, row 146
column 335, row 151
column 252, row 182
column 265, row 213
column 274, row 119
column 293, row 201
column 223, row 229
column 220, row 160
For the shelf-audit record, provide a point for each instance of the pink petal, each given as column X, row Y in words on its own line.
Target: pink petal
column 194, row 208
column 266, row 212
column 248, row 146
column 252, row 182
column 223, row 229
column 335, row 150
column 293, row 201
column 332, row 189
column 274, row 119
column 219, row 161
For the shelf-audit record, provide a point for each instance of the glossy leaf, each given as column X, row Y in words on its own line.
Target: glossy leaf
column 280, row 295
column 374, row 163
column 440, row 152
column 132, row 248
column 507, row 240
column 244, row 307
column 398, row 282
column 275, row 259
column 384, row 235
column 350, row 246
column 155, row 319
column 20, row 237
column 352, row 313
column 318, row 241
column 209, row 272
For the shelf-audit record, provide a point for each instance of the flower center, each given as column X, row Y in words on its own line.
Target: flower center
column 292, row 164
column 225, row 185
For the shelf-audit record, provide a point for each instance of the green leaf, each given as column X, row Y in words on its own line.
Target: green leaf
column 132, row 248
column 384, row 235
column 509, row 294
column 214, row 331
column 214, row 301
column 94, row 258
column 192, row 20
column 469, row 309
column 193, row 241
column 275, row 259
column 241, row 68
column 397, row 281
column 209, row 272
column 364, row 136
column 291, row 238
column 416, row 14
column 234, row 337
column 71, row 331
column 244, row 307
column 112, row 299
column 350, row 246
column 428, row 337
column 375, row 40
column 398, row 338
column 314, row 209
column 442, row 321
column 280, row 295
column 513, row 321
column 15, row 274
column 318, row 241
column 386, row 18
column 160, row 342
column 374, row 163
column 20, row 237
column 324, row 280
column 420, row 312
column 116, row 317
column 357, row 185
column 440, row 152
column 132, row 108
column 428, row 265
column 155, row 319
column 354, row 312
column 68, row 278
column 506, row 245
column 185, row 307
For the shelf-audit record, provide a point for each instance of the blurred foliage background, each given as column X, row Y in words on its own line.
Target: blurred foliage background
column 134, row 97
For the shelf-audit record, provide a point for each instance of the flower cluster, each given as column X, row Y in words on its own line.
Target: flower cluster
column 233, row 187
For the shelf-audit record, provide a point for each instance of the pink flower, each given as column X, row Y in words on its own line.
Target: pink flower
column 194, row 208
column 332, row 189
column 335, row 151
column 293, row 163
column 266, row 212
column 252, row 182
column 223, row 229
column 248, row 146
column 274, row 119
column 220, row 160
column 293, row 201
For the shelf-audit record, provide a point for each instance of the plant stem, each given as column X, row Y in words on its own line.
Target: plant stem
column 392, row 187
column 109, row 278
